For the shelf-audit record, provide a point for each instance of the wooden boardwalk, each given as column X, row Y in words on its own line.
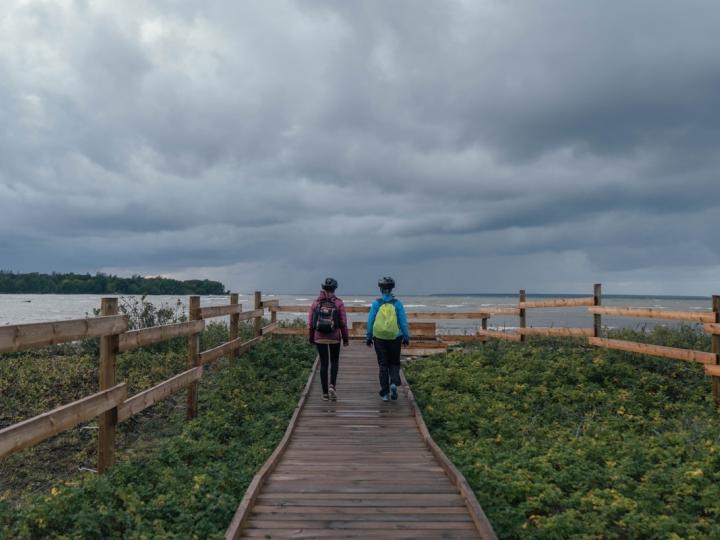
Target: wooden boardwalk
column 358, row 468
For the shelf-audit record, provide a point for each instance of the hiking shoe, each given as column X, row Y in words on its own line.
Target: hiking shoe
column 393, row 392
column 332, row 393
column 384, row 397
column 325, row 397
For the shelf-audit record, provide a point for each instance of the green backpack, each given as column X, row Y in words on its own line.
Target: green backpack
column 386, row 324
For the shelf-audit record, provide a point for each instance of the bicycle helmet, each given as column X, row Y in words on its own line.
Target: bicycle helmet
column 386, row 284
column 330, row 284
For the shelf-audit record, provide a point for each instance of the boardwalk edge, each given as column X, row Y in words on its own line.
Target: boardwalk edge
column 476, row 512
column 244, row 509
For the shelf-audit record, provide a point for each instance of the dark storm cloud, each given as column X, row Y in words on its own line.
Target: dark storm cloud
column 460, row 145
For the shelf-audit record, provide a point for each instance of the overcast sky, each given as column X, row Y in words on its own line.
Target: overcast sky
column 459, row 146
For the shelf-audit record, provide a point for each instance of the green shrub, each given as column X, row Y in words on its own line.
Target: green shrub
column 562, row 440
column 184, row 485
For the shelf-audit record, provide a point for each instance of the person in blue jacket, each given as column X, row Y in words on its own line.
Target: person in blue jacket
column 387, row 328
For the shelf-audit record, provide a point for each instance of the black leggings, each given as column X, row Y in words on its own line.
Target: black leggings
column 328, row 353
column 388, row 356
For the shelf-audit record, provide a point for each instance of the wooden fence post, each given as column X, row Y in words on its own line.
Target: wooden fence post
column 107, row 420
column 483, row 325
column 523, row 319
column 258, row 320
column 193, row 359
column 234, row 323
column 597, row 318
column 716, row 348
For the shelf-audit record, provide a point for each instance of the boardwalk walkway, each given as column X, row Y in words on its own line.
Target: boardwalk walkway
column 359, row 468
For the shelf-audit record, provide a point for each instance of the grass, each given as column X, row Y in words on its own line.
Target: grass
column 561, row 440
column 173, row 477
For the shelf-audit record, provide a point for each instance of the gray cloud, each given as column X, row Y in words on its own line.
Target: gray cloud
column 459, row 145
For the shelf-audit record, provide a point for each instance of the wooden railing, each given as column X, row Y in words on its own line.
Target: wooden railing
column 431, row 342
column 111, row 404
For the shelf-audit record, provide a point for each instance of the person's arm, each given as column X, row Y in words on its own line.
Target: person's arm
column 343, row 322
column 371, row 319
column 311, row 329
column 402, row 320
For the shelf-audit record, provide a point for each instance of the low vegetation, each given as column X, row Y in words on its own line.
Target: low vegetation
column 562, row 440
column 173, row 478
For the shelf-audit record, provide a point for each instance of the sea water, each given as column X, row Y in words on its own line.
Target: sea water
column 31, row 308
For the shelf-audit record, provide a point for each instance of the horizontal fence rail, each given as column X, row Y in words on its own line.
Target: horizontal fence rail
column 653, row 313
column 143, row 400
column 655, row 350
column 236, row 345
column 28, row 336
column 219, row 311
column 41, row 427
column 157, row 334
column 555, row 331
column 557, row 302
column 111, row 404
column 712, row 329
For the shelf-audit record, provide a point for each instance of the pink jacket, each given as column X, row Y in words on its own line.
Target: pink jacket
column 338, row 333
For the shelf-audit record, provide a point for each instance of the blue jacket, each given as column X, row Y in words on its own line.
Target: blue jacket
column 399, row 310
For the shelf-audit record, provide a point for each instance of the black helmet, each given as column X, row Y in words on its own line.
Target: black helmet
column 386, row 283
column 330, row 284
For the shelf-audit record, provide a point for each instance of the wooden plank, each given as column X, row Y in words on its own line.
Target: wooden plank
column 220, row 311
column 444, row 315
column 247, row 315
column 477, row 514
column 654, row 350
column 226, row 348
column 502, row 311
column 157, row 334
column 26, row 336
column 715, row 347
column 558, row 302
column 147, row 398
column 282, row 331
column 407, row 533
column 653, row 313
column 712, row 328
column 306, row 308
column 106, row 376
column 193, row 358
column 522, row 323
column 507, row 336
column 41, row 427
column 257, row 320
column 234, row 328
column 423, row 351
column 712, row 370
column 597, row 317
column 270, row 328
column 269, row 303
column 556, row 331
column 451, row 339
column 244, row 509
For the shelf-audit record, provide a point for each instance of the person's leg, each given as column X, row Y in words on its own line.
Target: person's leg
column 394, row 365
column 324, row 358
column 383, row 373
column 334, row 362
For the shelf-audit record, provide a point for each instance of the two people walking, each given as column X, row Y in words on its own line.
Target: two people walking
column 387, row 330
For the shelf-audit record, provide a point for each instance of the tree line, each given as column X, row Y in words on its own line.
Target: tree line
column 56, row 283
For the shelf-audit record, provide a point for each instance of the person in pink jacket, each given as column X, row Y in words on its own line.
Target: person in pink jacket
column 327, row 326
